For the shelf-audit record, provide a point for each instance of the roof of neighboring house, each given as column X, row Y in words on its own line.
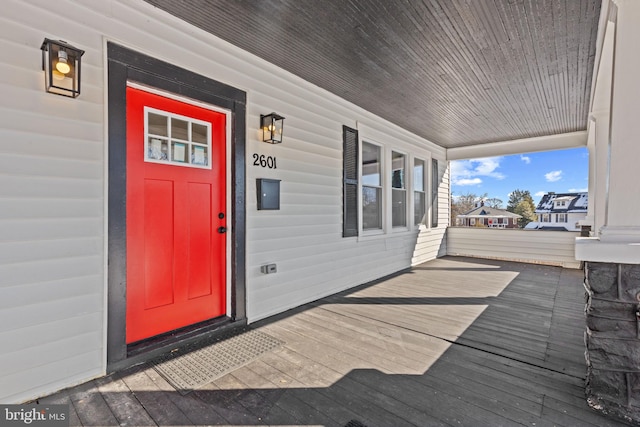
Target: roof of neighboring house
column 577, row 203
column 487, row 212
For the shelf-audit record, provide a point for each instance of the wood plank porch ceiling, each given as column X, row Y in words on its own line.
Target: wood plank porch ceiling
column 457, row 72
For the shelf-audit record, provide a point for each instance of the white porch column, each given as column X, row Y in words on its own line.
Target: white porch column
column 612, row 257
column 624, row 200
column 619, row 238
column 599, row 170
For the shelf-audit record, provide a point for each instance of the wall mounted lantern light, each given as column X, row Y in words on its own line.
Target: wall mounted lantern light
column 271, row 125
column 61, row 65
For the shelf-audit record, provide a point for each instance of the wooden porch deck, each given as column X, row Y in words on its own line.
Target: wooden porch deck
column 455, row 341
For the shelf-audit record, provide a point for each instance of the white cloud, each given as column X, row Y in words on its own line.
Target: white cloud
column 467, row 172
column 540, row 193
column 525, row 159
column 553, row 176
column 578, row 190
column 468, row 181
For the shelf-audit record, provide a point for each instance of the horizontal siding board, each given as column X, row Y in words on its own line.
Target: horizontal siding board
column 33, row 336
column 285, row 221
column 29, row 209
column 63, row 348
column 50, row 311
column 48, row 187
column 38, row 229
column 47, row 291
column 21, row 252
column 50, row 168
column 49, row 129
column 299, row 236
column 49, row 269
column 49, row 145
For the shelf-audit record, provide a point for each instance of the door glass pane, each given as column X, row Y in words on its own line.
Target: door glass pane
column 179, row 152
column 179, row 129
column 158, row 149
column 157, row 124
column 371, row 168
column 371, row 208
column 199, row 155
column 199, row 133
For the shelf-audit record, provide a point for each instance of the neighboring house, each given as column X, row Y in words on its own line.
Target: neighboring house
column 560, row 211
column 484, row 216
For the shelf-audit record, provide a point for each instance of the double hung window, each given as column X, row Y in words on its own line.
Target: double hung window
column 419, row 196
column 434, row 192
column 384, row 190
column 371, row 187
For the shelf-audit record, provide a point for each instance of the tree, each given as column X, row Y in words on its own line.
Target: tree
column 527, row 211
column 494, row 202
column 521, row 203
column 516, row 197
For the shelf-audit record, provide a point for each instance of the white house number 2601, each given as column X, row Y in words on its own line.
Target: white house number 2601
column 264, row 161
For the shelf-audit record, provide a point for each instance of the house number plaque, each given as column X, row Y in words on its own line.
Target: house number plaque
column 261, row 160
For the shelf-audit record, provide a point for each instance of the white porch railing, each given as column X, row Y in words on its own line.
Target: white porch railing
column 533, row 246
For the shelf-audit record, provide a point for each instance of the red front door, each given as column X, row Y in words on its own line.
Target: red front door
column 176, row 204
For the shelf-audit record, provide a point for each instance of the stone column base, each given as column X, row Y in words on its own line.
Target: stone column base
column 612, row 339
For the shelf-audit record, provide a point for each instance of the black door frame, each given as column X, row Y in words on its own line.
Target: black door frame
column 126, row 65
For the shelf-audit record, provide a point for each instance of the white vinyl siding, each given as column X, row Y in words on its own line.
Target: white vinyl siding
column 53, row 195
column 548, row 247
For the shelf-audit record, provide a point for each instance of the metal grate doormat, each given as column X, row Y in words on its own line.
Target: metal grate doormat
column 187, row 372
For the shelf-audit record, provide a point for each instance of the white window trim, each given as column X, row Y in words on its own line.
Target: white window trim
column 380, row 231
column 386, row 150
column 169, row 138
column 430, row 188
column 425, row 191
column 407, row 187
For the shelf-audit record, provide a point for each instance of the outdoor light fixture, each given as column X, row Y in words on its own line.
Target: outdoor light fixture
column 271, row 125
column 61, row 65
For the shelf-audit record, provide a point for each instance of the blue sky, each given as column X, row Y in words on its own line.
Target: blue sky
column 559, row 171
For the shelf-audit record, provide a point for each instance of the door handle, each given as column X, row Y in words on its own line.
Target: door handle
column 222, row 230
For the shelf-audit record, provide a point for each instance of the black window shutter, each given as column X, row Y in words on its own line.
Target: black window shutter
column 350, row 182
